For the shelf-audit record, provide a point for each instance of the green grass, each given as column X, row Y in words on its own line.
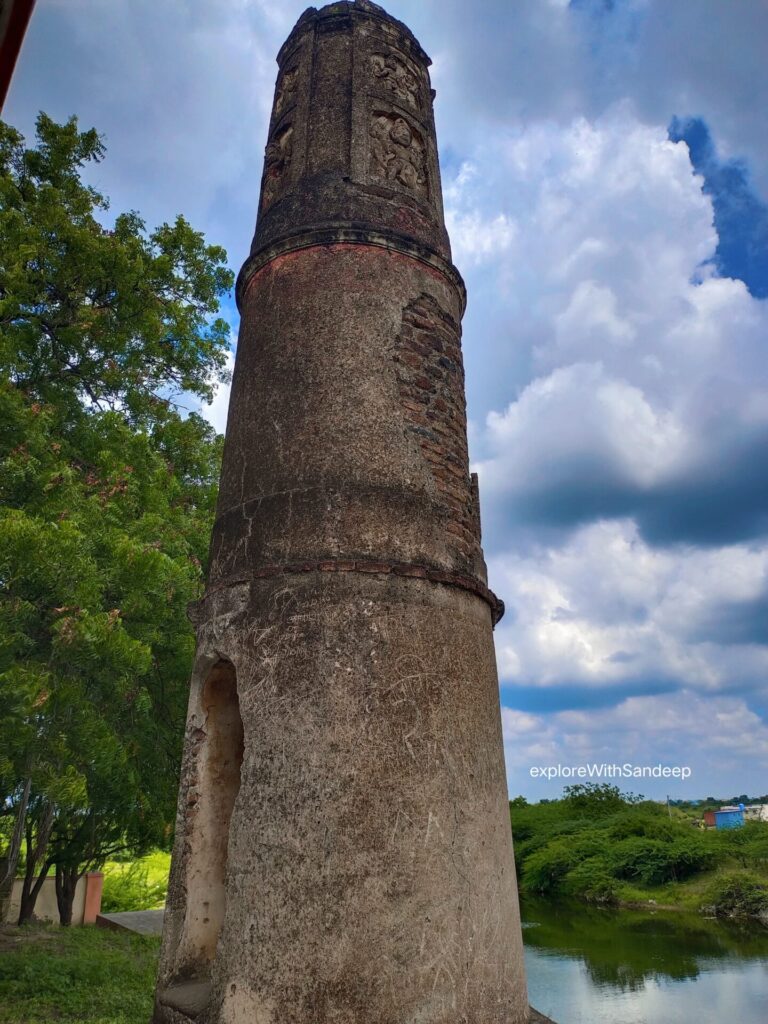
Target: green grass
column 687, row 895
column 691, row 894
column 52, row 975
column 158, row 865
column 136, row 885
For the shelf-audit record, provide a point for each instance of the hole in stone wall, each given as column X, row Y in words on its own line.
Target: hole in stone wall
column 218, row 782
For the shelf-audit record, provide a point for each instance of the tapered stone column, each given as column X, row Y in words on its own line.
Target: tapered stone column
column 343, row 850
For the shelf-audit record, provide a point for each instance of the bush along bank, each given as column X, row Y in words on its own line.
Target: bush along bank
column 606, row 847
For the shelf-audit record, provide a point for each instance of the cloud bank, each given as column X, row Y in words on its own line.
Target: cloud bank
column 606, row 177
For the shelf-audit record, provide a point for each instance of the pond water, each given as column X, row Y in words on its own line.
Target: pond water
column 590, row 966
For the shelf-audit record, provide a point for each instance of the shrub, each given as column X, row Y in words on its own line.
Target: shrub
column 593, row 799
column 591, row 881
column 129, row 888
column 531, row 842
column 632, row 823
column 749, row 845
column 654, row 861
column 638, row 859
column 544, row 870
column 735, row 895
column 690, row 855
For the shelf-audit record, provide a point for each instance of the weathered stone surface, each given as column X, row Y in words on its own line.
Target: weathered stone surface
column 324, row 438
column 190, row 999
column 343, row 851
column 352, row 135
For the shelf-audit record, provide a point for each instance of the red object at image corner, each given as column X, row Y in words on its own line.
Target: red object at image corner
column 14, row 19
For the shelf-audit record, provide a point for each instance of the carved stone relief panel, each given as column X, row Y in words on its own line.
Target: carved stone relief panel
column 277, row 162
column 396, row 77
column 285, row 91
column 397, row 153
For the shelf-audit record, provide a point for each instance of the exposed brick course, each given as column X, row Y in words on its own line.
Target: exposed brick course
column 430, row 374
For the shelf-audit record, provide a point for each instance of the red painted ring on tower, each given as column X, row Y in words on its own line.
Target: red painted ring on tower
column 349, row 234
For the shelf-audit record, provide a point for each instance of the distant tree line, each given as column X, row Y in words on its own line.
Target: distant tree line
column 716, row 802
column 107, row 492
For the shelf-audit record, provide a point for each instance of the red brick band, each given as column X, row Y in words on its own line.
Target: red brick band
column 341, row 235
column 408, row 569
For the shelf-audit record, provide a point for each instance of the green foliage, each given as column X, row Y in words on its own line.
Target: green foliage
column 545, row 870
column 748, row 845
column 596, row 798
column 599, row 845
column 737, row 894
column 107, row 493
column 653, row 861
column 130, row 888
column 112, row 318
column 87, row 975
column 136, row 884
column 591, row 881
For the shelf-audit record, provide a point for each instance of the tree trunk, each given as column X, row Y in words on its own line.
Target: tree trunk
column 30, row 892
column 5, row 893
column 36, row 850
column 67, row 878
column 11, row 860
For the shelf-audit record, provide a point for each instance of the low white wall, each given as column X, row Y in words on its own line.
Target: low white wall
column 46, row 908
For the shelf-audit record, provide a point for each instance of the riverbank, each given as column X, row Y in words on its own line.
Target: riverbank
column 729, row 891
column 606, row 848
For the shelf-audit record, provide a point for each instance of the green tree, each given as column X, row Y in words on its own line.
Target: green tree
column 593, row 798
column 107, row 494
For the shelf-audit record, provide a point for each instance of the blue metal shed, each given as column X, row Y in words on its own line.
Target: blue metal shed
column 732, row 818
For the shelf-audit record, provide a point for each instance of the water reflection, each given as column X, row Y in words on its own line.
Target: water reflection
column 586, row 964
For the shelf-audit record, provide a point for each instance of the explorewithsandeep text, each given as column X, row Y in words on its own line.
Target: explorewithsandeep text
column 610, row 771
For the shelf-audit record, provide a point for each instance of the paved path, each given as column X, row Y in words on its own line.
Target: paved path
column 145, row 922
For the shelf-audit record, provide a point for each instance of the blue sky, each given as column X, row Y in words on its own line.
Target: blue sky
column 605, row 171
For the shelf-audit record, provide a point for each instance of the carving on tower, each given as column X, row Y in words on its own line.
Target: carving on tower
column 285, row 91
column 397, row 153
column 277, row 163
column 394, row 75
column 343, row 852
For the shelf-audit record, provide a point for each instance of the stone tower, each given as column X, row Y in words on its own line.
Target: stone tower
column 343, row 851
